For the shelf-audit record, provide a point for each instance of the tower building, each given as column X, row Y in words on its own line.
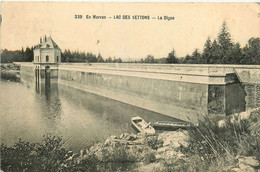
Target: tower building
column 47, row 56
column 47, row 52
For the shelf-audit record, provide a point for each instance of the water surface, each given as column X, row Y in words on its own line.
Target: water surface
column 80, row 118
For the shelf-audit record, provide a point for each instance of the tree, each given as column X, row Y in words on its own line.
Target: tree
column 66, row 56
column 149, row 59
column 251, row 52
column 91, row 57
column 207, row 52
column 109, row 60
column 225, row 44
column 28, row 54
column 119, row 60
column 11, row 56
column 215, row 57
column 100, row 58
column 22, row 53
column 236, row 54
column 187, row 59
column 171, row 57
column 195, row 58
column 224, row 37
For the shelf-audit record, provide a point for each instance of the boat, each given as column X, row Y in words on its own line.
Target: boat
column 171, row 125
column 141, row 125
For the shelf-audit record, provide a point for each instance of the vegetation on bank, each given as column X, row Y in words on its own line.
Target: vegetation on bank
column 50, row 155
column 211, row 146
column 9, row 72
column 217, row 146
column 221, row 50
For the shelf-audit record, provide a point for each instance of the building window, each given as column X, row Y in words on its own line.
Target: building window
column 57, row 58
column 47, row 58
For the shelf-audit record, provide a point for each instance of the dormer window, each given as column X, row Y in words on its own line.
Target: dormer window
column 47, row 46
column 47, row 58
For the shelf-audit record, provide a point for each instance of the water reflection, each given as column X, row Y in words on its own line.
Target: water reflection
column 82, row 119
column 48, row 101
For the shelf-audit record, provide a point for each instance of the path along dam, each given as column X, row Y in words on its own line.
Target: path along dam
column 185, row 92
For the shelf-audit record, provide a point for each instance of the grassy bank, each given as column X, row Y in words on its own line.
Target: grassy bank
column 231, row 144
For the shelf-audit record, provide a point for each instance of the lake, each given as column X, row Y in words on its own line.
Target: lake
column 80, row 118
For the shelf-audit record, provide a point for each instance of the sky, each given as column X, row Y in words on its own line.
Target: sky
column 23, row 23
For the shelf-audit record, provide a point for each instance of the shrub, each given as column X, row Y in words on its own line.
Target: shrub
column 218, row 147
column 149, row 157
column 17, row 157
column 12, row 76
column 153, row 142
column 48, row 155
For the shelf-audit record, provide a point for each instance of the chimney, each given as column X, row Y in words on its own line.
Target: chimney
column 45, row 39
column 40, row 40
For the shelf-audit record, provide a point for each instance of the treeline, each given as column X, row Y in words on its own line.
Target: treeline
column 66, row 56
column 219, row 51
column 171, row 58
column 17, row 56
column 224, row 51
column 76, row 56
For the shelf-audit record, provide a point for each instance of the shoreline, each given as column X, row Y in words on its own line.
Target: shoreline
column 180, row 150
column 161, row 149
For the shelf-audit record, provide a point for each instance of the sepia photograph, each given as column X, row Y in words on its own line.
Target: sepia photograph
column 129, row 86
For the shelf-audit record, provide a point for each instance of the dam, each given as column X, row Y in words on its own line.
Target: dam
column 186, row 92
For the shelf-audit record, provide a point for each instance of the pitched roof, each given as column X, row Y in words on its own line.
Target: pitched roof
column 48, row 44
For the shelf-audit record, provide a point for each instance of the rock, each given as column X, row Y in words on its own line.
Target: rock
column 246, row 168
column 112, row 137
column 244, row 115
column 174, row 139
column 175, row 144
column 222, row 123
column 84, row 157
column 124, row 135
column 70, row 158
column 109, row 140
column 121, row 136
column 250, row 160
column 234, row 118
column 162, row 149
column 236, row 170
column 70, row 153
column 236, row 115
column 131, row 137
column 81, row 152
column 159, row 157
column 150, row 167
column 180, row 155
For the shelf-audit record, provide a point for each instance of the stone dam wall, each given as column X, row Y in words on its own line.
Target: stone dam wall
column 171, row 98
column 180, row 91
